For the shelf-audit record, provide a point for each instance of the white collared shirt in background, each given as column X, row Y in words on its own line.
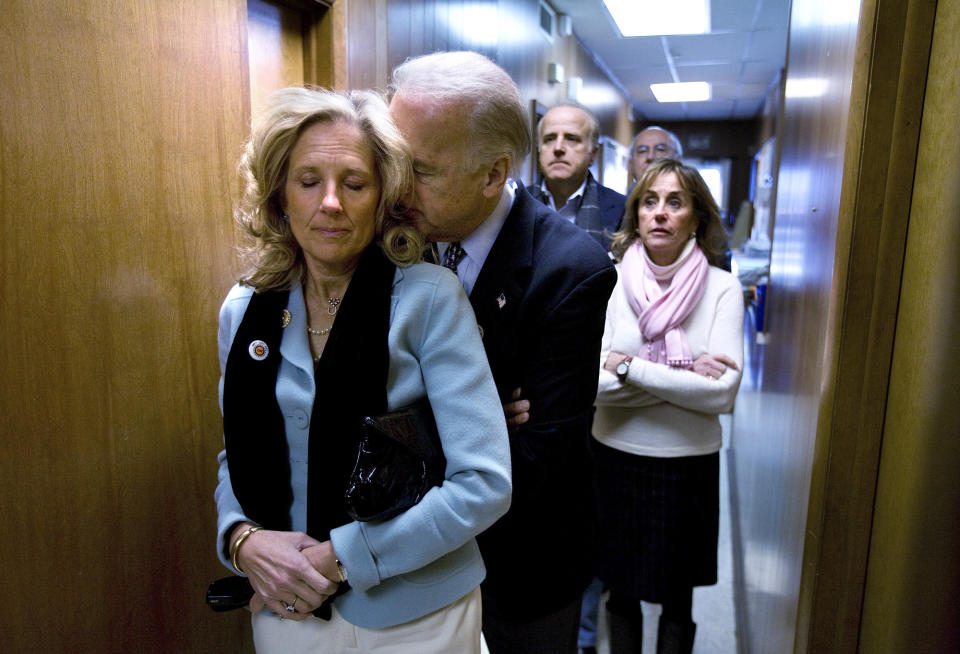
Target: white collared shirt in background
column 569, row 210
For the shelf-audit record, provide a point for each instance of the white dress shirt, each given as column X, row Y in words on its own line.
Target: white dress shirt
column 569, row 210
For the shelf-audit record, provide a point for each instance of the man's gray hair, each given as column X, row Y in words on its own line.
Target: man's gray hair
column 499, row 122
column 593, row 136
column 674, row 141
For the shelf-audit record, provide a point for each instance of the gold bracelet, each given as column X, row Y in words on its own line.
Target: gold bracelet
column 235, row 548
column 341, row 571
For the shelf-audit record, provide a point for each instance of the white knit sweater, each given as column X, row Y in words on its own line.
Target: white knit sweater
column 664, row 411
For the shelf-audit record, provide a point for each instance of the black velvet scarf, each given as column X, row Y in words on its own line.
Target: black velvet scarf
column 351, row 382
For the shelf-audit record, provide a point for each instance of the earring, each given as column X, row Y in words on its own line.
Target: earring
column 284, row 217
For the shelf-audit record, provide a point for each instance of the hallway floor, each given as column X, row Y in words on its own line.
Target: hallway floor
column 713, row 609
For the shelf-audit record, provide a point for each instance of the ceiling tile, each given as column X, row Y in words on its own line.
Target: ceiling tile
column 720, row 72
column 768, row 45
column 732, row 16
column 688, row 49
column 760, row 72
column 774, row 14
column 740, row 61
column 724, row 91
column 640, row 48
column 644, row 77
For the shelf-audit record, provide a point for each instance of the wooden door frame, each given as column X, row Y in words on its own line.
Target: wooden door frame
column 892, row 54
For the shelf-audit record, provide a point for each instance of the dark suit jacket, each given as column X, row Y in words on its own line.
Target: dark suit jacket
column 611, row 211
column 541, row 300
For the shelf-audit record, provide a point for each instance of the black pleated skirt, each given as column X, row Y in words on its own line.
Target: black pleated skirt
column 659, row 518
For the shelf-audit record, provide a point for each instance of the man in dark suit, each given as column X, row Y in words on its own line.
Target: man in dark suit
column 539, row 287
column 568, row 137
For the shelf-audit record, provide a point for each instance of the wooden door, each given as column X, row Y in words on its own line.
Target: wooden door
column 913, row 573
column 120, row 126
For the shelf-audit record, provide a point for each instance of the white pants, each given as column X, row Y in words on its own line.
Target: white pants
column 454, row 628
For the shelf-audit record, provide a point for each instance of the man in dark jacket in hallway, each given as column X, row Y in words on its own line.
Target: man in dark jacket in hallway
column 539, row 287
column 568, row 137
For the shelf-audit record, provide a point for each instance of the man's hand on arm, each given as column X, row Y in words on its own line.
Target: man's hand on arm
column 517, row 411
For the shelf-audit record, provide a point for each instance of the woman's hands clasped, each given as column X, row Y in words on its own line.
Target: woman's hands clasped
column 288, row 570
column 713, row 365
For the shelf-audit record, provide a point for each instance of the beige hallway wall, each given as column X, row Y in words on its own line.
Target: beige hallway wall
column 808, row 435
column 775, row 418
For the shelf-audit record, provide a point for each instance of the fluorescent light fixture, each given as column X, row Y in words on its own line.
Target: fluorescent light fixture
column 656, row 17
column 599, row 96
column 806, row 87
column 681, row 92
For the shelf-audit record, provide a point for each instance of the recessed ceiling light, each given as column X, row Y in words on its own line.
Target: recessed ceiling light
column 655, row 17
column 681, row 92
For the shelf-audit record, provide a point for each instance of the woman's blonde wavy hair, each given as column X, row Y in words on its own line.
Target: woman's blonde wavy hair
column 710, row 234
column 268, row 247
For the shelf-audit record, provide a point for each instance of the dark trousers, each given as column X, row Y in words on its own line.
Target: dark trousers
column 555, row 633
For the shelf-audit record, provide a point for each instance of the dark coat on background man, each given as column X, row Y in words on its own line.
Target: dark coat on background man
column 603, row 223
column 540, row 300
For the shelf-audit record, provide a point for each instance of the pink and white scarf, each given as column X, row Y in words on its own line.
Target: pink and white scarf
column 661, row 312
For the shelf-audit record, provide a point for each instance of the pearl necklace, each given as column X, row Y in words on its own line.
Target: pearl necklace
column 318, row 332
column 334, row 303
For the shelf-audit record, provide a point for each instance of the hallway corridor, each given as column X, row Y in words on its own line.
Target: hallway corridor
column 713, row 608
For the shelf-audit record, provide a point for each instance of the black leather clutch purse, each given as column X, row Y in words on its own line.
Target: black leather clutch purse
column 229, row 593
column 234, row 592
column 399, row 459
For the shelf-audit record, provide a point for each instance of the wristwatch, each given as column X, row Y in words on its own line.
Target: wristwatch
column 623, row 368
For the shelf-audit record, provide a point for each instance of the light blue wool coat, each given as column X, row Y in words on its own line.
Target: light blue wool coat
column 425, row 558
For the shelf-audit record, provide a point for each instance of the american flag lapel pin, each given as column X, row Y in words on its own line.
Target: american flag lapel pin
column 502, row 301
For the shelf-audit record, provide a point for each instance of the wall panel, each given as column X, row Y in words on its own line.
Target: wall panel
column 811, row 423
column 913, row 578
column 777, row 411
column 120, row 125
column 276, row 44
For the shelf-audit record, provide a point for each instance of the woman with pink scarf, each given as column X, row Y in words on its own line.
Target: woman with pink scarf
column 670, row 363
